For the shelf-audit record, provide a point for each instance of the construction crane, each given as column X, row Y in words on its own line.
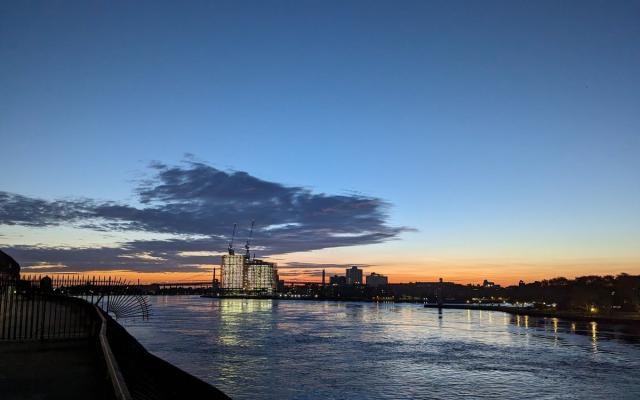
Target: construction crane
column 246, row 246
column 231, row 251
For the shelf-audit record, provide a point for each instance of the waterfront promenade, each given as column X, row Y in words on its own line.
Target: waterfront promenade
column 56, row 342
column 69, row 369
column 77, row 351
column 57, row 346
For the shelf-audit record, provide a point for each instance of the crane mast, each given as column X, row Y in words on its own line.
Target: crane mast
column 246, row 246
column 231, row 251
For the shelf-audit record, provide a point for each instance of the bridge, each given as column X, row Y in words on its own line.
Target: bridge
column 194, row 284
column 302, row 283
column 170, row 285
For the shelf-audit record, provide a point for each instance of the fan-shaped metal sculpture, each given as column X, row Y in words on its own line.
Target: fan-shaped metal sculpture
column 120, row 299
column 115, row 296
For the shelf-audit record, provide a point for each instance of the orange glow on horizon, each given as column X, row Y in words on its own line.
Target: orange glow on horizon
column 133, row 277
column 504, row 275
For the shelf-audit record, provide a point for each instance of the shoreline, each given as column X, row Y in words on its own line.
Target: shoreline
column 567, row 315
column 355, row 300
column 628, row 319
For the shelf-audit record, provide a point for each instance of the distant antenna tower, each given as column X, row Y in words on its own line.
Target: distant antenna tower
column 231, row 251
column 246, row 246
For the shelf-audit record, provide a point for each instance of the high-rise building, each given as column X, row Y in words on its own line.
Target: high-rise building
column 375, row 280
column 354, row 276
column 260, row 277
column 232, row 273
column 243, row 275
column 240, row 275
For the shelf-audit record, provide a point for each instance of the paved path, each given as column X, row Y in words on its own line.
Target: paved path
column 51, row 370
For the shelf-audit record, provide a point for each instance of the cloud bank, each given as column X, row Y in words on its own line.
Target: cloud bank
column 198, row 204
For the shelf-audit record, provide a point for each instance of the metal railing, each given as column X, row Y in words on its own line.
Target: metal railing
column 43, row 307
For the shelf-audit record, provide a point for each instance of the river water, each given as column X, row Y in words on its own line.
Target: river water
column 283, row 349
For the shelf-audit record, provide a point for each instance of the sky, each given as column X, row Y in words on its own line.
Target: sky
column 466, row 140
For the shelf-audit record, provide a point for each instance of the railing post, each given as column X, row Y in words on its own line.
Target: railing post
column 109, row 290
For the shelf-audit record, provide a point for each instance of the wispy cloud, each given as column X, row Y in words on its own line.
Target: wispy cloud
column 302, row 265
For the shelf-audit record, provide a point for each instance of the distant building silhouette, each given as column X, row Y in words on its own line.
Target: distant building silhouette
column 46, row 284
column 354, row 276
column 338, row 280
column 375, row 280
column 9, row 268
column 488, row 284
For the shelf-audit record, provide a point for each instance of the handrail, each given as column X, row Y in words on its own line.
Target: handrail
column 119, row 385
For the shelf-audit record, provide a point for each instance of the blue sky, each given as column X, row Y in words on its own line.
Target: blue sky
column 503, row 132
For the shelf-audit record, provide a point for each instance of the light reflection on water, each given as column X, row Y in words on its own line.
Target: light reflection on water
column 304, row 349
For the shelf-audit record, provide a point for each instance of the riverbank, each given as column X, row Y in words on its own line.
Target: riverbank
column 626, row 318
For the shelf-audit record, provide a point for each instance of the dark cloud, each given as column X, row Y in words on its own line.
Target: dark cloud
column 21, row 210
column 126, row 257
column 198, row 200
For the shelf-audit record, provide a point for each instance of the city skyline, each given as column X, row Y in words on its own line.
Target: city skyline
column 464, row 141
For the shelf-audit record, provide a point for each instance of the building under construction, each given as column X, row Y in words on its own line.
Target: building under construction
column 242, row 275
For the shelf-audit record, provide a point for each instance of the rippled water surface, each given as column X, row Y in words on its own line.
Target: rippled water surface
column 264, row 349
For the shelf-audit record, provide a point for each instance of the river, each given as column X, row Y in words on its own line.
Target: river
column 283, row 349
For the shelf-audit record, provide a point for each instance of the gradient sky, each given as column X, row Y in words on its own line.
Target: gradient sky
column 501, row 139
